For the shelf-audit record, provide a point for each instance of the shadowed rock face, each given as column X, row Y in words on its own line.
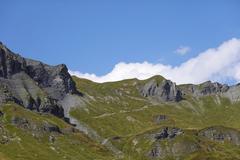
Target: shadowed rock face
column 33, row 84
column 55, row 80
column 10, row 63
column 162, row 91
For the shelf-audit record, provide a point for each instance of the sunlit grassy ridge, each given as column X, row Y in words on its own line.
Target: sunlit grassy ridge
column 117, row 111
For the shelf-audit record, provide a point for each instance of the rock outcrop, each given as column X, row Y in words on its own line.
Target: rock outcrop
column 233, row 93
column 171, row 143
column 168, row 133
column 162, row 91
column 33, row 84
column 204, row 89
column 158, row 89
column 212, row 88
column 221, row 134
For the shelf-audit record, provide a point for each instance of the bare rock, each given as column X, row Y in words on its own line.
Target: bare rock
column 205, row 89
column 162, row 91
column 33, row 84
column 168, row 133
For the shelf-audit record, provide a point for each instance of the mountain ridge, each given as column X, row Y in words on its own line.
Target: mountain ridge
column 70, row 118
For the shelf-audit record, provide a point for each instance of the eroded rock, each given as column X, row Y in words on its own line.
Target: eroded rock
column 33, row 84
column 163, row 91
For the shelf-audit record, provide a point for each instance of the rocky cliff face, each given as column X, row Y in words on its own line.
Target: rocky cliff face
column 162, row 91
column 33, row 84
column 206, row 88
column 212, row 88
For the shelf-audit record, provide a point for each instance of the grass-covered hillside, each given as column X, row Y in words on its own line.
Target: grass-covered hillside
column 25, row 135
column 129, row 120
column 197, row 127
column 47, row 114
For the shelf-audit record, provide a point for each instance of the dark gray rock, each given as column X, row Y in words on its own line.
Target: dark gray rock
column 162, row 91
column 10, row 63
column 1, row 113
column 33, row 84
column 55, row 80
column 168, row 133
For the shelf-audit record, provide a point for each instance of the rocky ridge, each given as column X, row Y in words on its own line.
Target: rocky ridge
column 167, row 91
column 33, row 84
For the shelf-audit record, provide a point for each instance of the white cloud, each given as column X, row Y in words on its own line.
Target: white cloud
column 216, row 64
column 182, row 50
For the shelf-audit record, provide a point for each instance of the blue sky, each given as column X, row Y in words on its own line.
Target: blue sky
column 93, row 36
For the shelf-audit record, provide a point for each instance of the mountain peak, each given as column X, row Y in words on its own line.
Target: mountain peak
column 35, row 85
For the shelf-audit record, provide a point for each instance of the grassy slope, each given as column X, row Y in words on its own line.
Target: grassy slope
column 22, row 143
column 118, row 110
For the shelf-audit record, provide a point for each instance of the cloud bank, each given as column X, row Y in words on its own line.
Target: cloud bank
column 217, row 64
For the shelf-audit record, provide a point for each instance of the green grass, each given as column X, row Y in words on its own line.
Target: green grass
column 23, row 145
column 117, row 109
